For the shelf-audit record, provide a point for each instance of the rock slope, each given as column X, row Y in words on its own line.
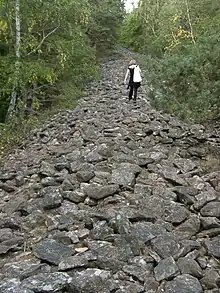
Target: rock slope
column 111, row 198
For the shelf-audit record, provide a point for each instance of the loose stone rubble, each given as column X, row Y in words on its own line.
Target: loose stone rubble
column 111, row 198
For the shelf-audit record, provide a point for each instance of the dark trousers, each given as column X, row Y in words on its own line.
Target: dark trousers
column 133, row 90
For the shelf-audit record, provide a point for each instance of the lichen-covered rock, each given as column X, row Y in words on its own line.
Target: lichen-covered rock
column 52, row 251
column 190, row 266
column 184, row 284
column 213, row 246
column 13, row 286
column 96, row 191
column 166, row 269
column 90, row 280
column 51, row 282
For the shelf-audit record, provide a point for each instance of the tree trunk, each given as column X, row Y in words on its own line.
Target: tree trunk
column 17, row 62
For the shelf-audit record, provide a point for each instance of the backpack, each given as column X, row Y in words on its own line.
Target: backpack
column 137, row 74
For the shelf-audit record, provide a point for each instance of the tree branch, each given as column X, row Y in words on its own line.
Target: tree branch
column 44, row 38
column 190, row 23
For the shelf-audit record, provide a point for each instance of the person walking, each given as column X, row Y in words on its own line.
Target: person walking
column 134, row 73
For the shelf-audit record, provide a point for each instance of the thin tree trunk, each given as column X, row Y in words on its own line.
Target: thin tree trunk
column 190, row 23
column 17, row 62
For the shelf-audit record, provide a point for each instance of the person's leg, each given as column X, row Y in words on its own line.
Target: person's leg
column 135, row 92
column 131, row 92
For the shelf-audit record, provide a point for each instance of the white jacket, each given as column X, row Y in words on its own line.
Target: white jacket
column 137, row 73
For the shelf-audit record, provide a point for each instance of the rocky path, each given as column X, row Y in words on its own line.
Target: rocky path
column 111, row 198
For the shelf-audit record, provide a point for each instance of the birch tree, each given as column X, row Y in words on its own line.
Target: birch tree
column 59, row 44
column 14, row 94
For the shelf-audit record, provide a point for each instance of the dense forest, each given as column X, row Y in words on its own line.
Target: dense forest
column 181, row 41
column 48, row 50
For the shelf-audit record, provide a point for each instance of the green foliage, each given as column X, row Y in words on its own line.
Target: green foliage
column 60, row 40
column 131, row 28
column 180, row 40
column 189, row 80
column 106, row 18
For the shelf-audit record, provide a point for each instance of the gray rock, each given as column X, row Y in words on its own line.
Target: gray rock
column 166, row 269
column 203, row 198
column 52, row 197
column 5, row 234
column 138, row 272
column 202, row 261
column 143, row 232
column 68, row 207
column 8, row 187
column 50, row 282
column 165, row 245
column 4, row 249
column 190, row 266
column 175, row 213
column 131, row 287
column 48, row 181
column 188, row 228
column 185, row 165
column 211, row 209
column 67, row 185
column 97, row 192
column 12, row 285
column 10, row 244
column 83, row 233
column 62, row 164
column 142, row 190
column 121, row 224
column 19, row 179
column 211, row 279
column 186, row 247
column 61, row 237
column 151, row 285
column 157, row 156
column 210, row 222
column 47, row 169
column 52, row 251
column 186, row 194
column 124, row 175
column 101, row 230
column 109, row 256
column 84, row 176
column 75, row 196
column 72, row 262
column 184, row 284
column 209, row 233
column 174, row 178
column 73, row 236
column 80, row 260
column 22, row 269
column 5, row 175
column 197, row 183
column 165, row 193
column 186, row 190
column 94, row 156
column 90, row 280
column 213, row 246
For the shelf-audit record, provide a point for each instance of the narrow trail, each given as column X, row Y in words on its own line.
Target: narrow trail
column 111, row 198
